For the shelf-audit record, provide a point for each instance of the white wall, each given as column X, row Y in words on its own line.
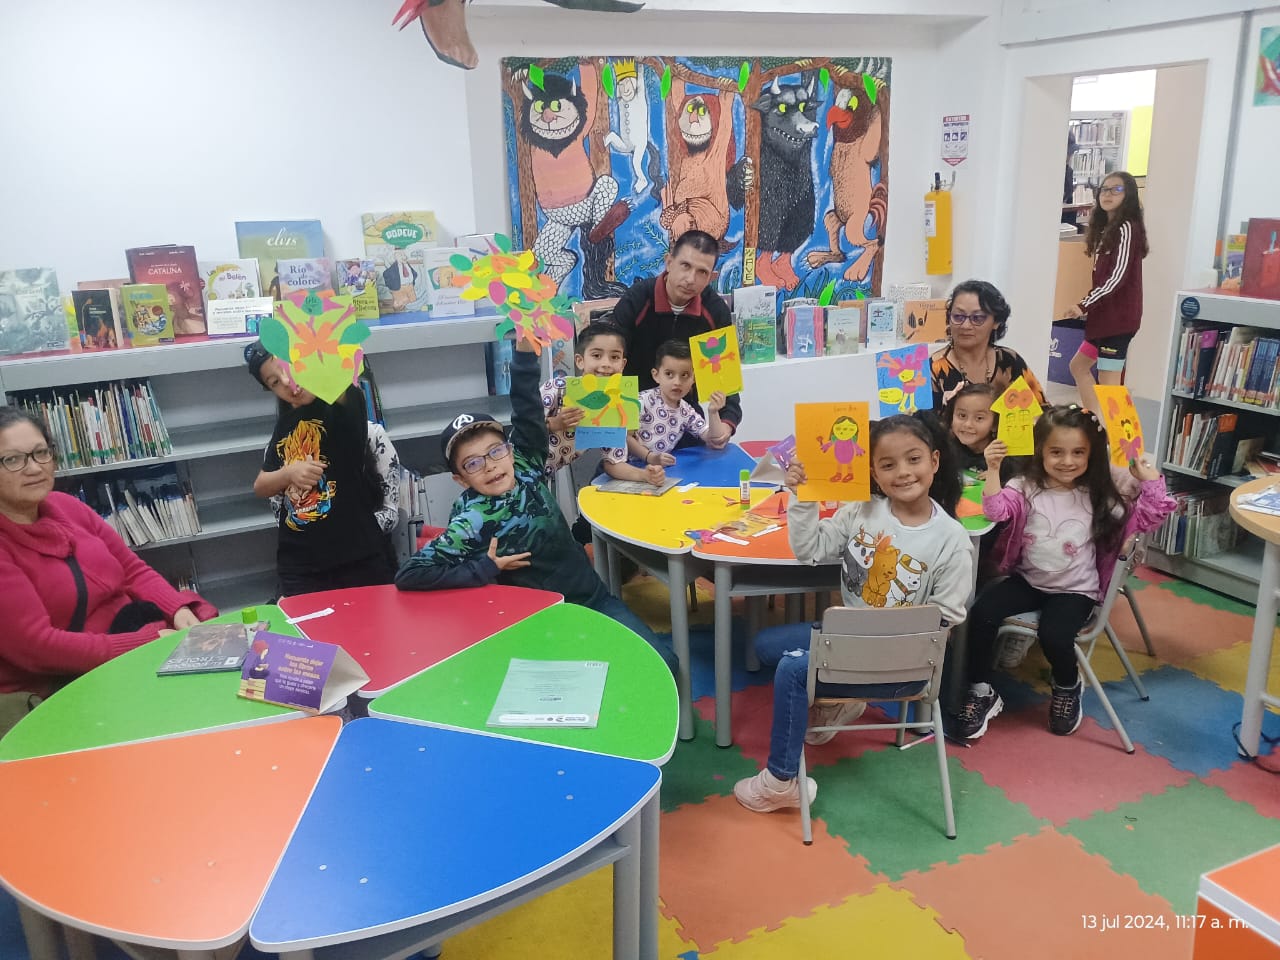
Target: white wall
column 189, row 116
column 1114, row 91
column 1256, row 189
column 914, row 117
column 1034, row 21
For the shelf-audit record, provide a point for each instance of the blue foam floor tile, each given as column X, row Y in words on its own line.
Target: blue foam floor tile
column 1174, row 722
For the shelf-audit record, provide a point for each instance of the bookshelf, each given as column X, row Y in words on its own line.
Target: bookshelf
column 1102, row 145
column 1235, row 571
column 219, row 421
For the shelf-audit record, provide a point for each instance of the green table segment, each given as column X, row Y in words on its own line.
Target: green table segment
column 124, row 701
column 638, row 714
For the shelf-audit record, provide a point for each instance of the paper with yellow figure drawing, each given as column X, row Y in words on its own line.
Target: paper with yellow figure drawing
column 1019, row 410
column 610, row 407
column 317, row 338
column 1119, row 416
column 717, row 362
column 832, row 440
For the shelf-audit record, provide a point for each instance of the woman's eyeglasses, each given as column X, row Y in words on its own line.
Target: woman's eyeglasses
column 976, row 319
column 1117, row 189
column 499, row 451
column 13, row 462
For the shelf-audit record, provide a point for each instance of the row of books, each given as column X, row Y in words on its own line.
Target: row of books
column 170, row 292
column 96, row 425
column 809, row 329
column 1202, row 441
column 144, row 506
column 1241, row 366
column 1199, row 527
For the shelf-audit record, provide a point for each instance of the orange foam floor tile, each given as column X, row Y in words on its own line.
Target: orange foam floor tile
column 887, row 921
column 1250, row 784
column 1180, row 629
column 1066, row 913
column 1088, row 770
column 726, row 871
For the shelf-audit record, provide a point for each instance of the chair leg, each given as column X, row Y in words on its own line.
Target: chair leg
column 1128, row 667
column 806, row 824
column 944, row 773
column 1137, row 616
column 1083, row 662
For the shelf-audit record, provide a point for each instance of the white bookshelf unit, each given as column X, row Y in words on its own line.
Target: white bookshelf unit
column 220, row 420
column 1234, row 572
column 1102, row 146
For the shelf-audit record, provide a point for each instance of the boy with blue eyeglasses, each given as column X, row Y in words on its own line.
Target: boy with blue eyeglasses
column 506, row 527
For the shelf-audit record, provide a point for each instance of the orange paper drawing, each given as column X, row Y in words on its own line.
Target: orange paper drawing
column 1019, row 410
column 1119, row 416
column 832, row 441
column 717, row 362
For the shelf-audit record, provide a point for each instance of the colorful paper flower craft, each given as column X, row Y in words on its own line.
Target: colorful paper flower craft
column 605, row 396
column 715, row 350
column 318, row 341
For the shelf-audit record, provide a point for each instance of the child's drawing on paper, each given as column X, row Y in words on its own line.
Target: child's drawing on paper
column 842, row 441
column 904, row 385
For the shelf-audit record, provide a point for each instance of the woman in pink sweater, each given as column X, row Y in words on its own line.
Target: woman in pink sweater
column 72, row 595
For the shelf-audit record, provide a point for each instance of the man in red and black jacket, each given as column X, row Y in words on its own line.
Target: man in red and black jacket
column 676, row 305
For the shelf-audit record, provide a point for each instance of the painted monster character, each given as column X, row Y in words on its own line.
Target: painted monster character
column 858, row 208
column 703, row 176
column 843, row 442
column 787, row 202
column 554, row 121
column 631, row 139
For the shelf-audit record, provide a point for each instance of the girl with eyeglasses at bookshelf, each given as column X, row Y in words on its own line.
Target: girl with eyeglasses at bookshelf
column 1112, row 311
column 977, row 317
column 72, row 594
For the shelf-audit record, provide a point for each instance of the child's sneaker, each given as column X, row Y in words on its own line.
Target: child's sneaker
column 1013, row 650
column 978, row 709
column 831, row 713
column 1064, row 709
column 765, row 793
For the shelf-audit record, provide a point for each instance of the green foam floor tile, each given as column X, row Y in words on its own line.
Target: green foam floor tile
column 1199, row 594
column 699, row 769
column 1166, row 841
column 887, row 806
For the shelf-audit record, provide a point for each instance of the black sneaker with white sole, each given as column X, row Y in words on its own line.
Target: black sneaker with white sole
column 977, row 711
column 1064, row 709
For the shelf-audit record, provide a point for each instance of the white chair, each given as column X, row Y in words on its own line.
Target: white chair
column 1028, row 624
column 898, row 645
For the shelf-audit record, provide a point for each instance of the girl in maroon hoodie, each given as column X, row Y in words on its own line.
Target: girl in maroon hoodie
column 1112, row 310
column 72, row 595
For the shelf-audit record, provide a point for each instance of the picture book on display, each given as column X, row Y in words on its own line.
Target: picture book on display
column 31, row 315
column 1261, row 268
column 229, row 279
column 397, row 243
column 882, row 324
column 270, row 240
column 804, row 331
column 211, row 647
column 357, row 279
column 755, row 311
column 844, row 329
column 304, row 273
column 146, row 313
column 924, row 321
column 645, row 489
column 238, row 316
column 176, row 268
column 97, row 315
column 446, row 299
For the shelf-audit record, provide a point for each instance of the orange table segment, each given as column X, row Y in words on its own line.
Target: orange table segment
column 168, row 843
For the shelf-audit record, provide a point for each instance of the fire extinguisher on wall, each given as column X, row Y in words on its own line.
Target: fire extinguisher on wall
column 937, row 228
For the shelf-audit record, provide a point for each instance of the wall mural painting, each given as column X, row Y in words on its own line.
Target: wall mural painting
column 785, row 161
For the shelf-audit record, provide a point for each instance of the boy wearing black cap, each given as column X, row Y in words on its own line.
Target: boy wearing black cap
column 506, row 526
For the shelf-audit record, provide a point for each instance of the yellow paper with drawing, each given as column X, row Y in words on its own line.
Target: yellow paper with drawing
column 1120, row 417
column 1019, row 410
column 717, row 362
column 832, row 441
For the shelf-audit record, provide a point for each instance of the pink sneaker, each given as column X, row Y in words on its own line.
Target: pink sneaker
column 765, row 793
column 831, row 713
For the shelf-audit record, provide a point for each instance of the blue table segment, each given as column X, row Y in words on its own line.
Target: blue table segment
column 712, row 468
column 410, row 824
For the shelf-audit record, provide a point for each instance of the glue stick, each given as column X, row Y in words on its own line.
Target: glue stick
column 744, row 487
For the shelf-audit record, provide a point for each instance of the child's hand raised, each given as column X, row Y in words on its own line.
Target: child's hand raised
column 566, row 419
column 655, row 474
column 995, row 453
column 512, row 561
column 795, row 475
column 716, row 401
column 1143, row 470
